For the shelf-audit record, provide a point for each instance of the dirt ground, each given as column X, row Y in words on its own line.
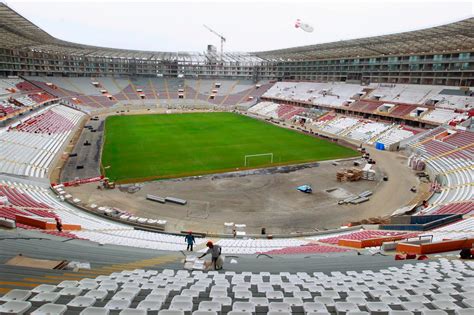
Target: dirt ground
column 269, row 201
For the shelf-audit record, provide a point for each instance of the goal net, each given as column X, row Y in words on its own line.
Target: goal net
column 258, row 157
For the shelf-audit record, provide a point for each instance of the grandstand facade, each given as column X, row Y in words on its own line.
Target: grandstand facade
column 442, row 55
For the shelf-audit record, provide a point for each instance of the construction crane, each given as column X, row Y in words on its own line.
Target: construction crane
column 220, row 36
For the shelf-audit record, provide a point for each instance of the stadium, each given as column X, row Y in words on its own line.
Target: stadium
column 336, row 178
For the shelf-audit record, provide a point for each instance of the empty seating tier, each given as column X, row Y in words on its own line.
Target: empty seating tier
column 423, row 288
column 458, row 230
column 276, row 111
column 50, row 121
column 358, row 235
column 30, row 148
column 453, row 208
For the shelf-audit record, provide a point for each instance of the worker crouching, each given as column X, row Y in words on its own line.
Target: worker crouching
column 215, row 251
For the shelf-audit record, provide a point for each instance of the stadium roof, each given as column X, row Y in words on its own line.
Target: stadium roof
column 16, row 32
column 457, row 36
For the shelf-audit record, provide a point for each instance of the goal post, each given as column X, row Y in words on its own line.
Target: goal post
column 249, row 156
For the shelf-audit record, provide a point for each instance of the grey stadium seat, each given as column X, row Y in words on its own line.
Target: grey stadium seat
column 15, row 307
column 50, row 309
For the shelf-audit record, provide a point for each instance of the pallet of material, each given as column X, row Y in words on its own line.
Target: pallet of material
column 366, row 193
column 368, row 173
column 351, row 175
column 347, row 200
column 155, row 198
column 340, row 176
column 359, row 200
column 176, row 200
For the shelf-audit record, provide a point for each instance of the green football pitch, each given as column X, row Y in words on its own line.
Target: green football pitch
column 147, row 147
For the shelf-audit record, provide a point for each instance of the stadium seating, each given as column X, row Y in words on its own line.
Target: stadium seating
column 452, row 208
column 117, row 262
column 147, row 91
column 429, row 134
column 307, row 249
column 142, row 87
column 8, row 86
column 401, row 110
column 454, row 101
column 252, row 246
column 242, row 91
column 335, row 94
column 40, row 97
column 33, row 200
column 136, row 238
column 27, row 199
column 338, row 93
column 394, row 135
column 8, row 109
column 67, row 90
column 365, row 106
column 17, row 198
column 424, row 94
column 30, row 147
column 368, row 130
column 10, row 212
column 405, row 93
column 26, row 86
column 425, row 288
column 24, row 100
column 397, row 100
column 37, row 200
column 461, row 139
column 17, row 96
column 276, row 111
column 457, row 230
column 442, row 115
column 50, row 121
column 357, row 235
column 455, row 185
column 434, row 148
column 265, row 109
column 339, row 125
column 449, row 158
column 330, row 94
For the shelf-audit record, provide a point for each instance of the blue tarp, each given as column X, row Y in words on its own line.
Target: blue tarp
column 305, row 188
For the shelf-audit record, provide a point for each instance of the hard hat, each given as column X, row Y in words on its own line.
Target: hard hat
column 209, row 244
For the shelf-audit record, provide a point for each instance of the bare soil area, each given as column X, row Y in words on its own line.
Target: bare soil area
column 266, row 200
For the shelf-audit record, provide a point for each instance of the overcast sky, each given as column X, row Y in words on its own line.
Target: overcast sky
column 248, row 26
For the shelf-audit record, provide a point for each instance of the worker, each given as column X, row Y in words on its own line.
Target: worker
column 59, row 225
column 215, row 251
column 190, row 240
